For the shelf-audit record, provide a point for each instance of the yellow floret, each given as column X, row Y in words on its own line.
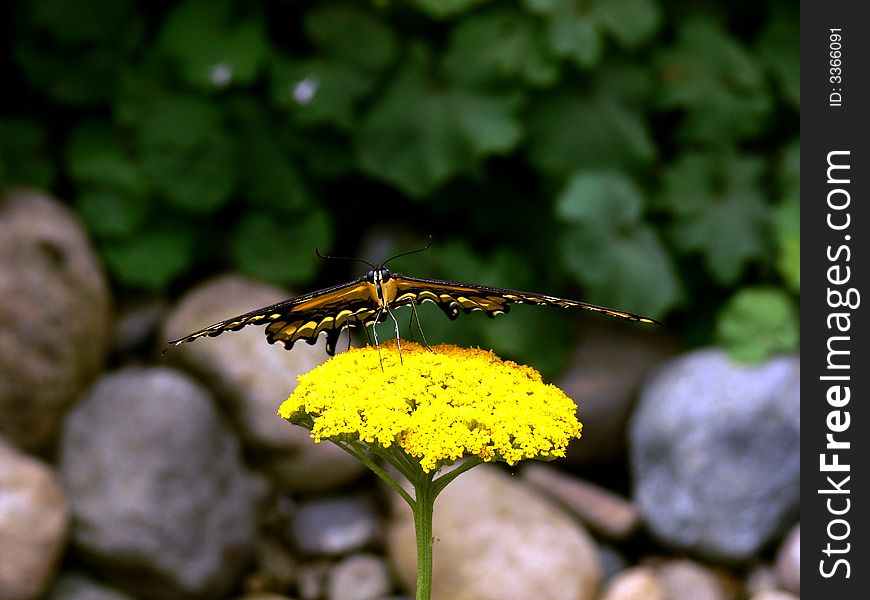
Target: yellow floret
column 437, row 406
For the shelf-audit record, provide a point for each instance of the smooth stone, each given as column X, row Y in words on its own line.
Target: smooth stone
column 164, row 508
column 358, row 577
column 636, row 583
column 603, row 376
column 56, row 317
column 334, row 526
column 788, row 561
column 78, row 586
column 688, row 579
column 774, row 595
column 496, row 539
column 761, row 578
column 605, row 513
column 34, row 516
column 253, row 378
column 715, row 454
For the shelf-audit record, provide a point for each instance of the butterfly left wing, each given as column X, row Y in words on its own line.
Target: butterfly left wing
column 328, row 311
column 452, row 297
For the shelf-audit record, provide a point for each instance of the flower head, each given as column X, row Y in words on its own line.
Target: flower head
column 436, row 406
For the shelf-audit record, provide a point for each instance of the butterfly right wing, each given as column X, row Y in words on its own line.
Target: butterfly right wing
column 329, row 311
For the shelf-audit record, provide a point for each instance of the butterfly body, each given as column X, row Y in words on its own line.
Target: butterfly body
column 368, row 300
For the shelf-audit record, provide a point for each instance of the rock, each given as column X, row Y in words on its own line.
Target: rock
column 358, row 577
column 688, row 579
column 604, row 512
column 311, row 584
column 34, row 516
column 715, row 453
column 163, row 506
column 253, row 377
column 496, row 539
column 55, row 329
column 603, row 376
column 761, row 578
column 334, row 526
column 774, row 595
column 78, row 586
column 788, row 562
column 136, row 326
column 636, row 583
column 612, row 561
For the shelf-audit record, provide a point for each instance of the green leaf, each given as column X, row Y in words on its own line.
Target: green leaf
column 23, row 153
column 779, row 47
column 600, row 198
column 441, row 9
column 74, row 52
column 787, row 219
column 78, row 22
column 499, row 45
column 270, row 179
column 153, row 258
column 319, row 91
column 716, row 82
column 281, row 249
column 576, row 29
column 95, row 157
column 213, row 47
column 631, row 22
column 352, row 36
column 112, row 212
column 570, row 131
column 626, row 268
column 186, row 154
column 417, row 136
column 757, row 323
column 578, row 37
column 719, row 209
column 609, row 249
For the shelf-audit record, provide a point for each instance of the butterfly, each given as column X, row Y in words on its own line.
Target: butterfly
column 369, row 299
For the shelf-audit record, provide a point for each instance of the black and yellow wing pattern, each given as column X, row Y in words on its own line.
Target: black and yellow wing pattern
column 367, row 300
column 328, row 311
column 453, row 297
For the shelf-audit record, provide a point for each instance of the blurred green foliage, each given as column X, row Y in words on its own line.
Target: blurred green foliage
column 637, row 153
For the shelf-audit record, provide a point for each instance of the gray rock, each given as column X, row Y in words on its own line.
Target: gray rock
column 77, row 586
column 604, row 374
column 496, row 539
column 788, row 562
column 334, row 526
column 607, row 514
column 55, row 317
column 163, row 506
column 358, row 577
column 34, row 516
column 715, row 453
column 253, row 378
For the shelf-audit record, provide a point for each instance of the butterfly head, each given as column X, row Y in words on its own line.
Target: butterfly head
column 379, row 275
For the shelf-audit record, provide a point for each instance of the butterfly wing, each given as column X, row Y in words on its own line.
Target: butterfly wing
column 327, row 311
column 452, row 297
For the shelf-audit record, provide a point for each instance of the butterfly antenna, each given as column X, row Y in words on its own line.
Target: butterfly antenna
column 423, row 249
column 327, row 257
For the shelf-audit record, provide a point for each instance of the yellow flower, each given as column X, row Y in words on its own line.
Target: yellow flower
column 436, row 406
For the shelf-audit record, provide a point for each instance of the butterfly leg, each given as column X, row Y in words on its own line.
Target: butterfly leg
column 416, row 317
column 398, row 341
column 375, row 334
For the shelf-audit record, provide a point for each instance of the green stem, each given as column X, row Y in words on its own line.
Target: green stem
column 423, row 510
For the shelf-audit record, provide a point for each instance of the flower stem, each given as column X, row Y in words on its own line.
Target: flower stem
column 423, row 510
